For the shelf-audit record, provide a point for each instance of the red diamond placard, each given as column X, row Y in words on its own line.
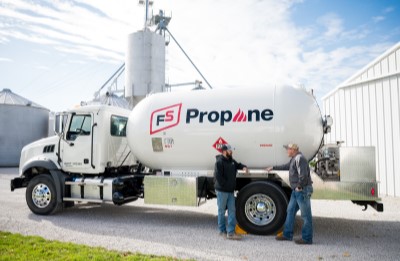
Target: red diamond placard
column 218, row 144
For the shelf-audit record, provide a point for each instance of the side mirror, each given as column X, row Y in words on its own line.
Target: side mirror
column 327, row 123
column 60, row 119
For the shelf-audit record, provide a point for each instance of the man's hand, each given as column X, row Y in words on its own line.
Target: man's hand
column 268, row 169
column 246, row 170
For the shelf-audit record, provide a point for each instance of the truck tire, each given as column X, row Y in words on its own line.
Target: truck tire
column 41, row 195
column 261, row 208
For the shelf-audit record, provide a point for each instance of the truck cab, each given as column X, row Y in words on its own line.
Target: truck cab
column 92, row 141
column 95, row 139
column 82, row 162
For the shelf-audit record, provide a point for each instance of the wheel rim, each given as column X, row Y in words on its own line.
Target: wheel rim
column 260, row 209
column 41, row 195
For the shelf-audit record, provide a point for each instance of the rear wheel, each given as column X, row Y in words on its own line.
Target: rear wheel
column 261, row 208
column 41, row 195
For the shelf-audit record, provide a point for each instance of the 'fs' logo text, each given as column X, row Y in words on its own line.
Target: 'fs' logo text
column 165, row 118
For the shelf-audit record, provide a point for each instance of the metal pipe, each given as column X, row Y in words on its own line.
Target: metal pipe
column 120, row 68
column 209, row 85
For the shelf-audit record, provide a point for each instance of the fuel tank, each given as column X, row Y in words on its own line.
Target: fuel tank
column 185, row 130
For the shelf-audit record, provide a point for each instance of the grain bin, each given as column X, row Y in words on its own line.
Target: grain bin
column 110, row 98
column 21, row 122
column 144, row 65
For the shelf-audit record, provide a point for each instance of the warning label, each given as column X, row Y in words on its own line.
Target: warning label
column 218, row 144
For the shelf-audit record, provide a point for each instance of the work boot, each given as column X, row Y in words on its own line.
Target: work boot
column 233, row 236
column 222, row 234
column 302, row 242
column 282, row 238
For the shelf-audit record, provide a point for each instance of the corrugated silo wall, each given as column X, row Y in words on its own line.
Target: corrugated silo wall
column 19, row 126
column 366, row 112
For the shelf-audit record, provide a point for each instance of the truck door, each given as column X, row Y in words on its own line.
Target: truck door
column 76, row 147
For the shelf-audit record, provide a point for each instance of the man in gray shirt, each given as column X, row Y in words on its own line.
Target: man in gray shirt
column 301, row 185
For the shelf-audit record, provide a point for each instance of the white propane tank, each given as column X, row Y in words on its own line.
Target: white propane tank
column 185, row 130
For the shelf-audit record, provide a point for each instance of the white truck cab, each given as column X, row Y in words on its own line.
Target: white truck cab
column 93, row 139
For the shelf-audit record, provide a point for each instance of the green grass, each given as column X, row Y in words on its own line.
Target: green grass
column 17, row 247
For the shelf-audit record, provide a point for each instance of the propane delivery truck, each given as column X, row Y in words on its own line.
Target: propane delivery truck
column 164, row 152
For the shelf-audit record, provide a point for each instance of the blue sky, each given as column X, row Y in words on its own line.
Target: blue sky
column 58, row 53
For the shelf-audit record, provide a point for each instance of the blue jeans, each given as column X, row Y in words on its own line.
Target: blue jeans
column 300, row 200
column 226, row 200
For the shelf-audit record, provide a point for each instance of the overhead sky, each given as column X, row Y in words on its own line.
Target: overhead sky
column 58, row 53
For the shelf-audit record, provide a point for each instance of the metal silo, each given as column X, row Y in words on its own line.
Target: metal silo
column 21, row 122
column 144, row 65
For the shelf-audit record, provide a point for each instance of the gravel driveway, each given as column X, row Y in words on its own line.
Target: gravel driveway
column 341, row 230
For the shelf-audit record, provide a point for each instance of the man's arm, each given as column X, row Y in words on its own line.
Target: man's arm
column 239, row 165
column 282, row 167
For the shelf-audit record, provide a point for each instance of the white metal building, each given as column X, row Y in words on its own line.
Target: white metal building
column 366, row 112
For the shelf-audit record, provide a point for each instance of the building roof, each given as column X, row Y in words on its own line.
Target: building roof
column 353, row 80
column 10, row 98
column 111, row 99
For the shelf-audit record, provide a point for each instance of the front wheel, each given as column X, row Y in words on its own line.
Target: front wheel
column 41, row 195
column 261, row 208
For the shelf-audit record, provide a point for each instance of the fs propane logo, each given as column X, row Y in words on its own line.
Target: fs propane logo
column 165, row 118
column 169, row 117
column 227, row 116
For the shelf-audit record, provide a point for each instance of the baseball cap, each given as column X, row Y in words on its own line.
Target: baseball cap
column 291, row 146
column 226, row 147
